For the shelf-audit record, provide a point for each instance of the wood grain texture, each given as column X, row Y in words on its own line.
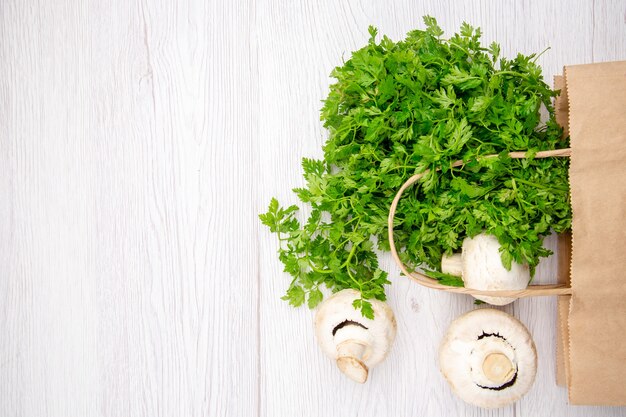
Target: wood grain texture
column 138, row 142
column 127, row 142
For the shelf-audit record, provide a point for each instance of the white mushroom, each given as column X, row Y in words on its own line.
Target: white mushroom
column 480, row 266
column 489, row 358
column 355, row 342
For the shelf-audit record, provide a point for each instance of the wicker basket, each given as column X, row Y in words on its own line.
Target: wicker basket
column 532, row 290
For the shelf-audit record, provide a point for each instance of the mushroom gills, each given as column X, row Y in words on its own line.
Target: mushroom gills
column 347, row 323
column 495, row 360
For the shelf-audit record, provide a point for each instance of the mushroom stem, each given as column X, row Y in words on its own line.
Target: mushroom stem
column 349, row 360
column 498, row 368
column 352, row 342
column 452, row 264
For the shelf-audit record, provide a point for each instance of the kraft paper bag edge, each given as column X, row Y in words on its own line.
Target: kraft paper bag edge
column 561, row 106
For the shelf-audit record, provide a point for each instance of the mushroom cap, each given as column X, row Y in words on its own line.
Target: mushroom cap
column 489, row 358
column 338, row 322
column 483, row 270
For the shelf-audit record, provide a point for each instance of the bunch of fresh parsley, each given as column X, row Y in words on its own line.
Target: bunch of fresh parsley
column 401, row 108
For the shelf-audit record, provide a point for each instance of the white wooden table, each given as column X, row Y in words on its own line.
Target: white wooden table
column 138, row 142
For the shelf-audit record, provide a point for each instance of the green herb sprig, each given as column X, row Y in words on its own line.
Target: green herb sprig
column 401, row 108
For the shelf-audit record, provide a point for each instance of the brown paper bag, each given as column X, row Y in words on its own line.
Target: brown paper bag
column 591, row 351
column 561, row 106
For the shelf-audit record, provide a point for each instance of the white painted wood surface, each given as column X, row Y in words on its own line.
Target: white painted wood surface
column 138, row 142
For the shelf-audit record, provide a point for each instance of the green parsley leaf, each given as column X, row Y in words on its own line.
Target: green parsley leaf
column 400, row 108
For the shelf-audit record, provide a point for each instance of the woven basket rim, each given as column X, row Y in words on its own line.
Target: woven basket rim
column 530, row 291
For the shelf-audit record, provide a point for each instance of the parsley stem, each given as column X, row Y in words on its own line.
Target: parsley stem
column 511, row 73
column 350, row 255
column 280, row 241
column 405, row 167
column 341, row 245
column 539, row 54
column 358, row 284
column 460, row 47
column 517, row 197
column 343, row 265
column 321, row 271
column 534, row 184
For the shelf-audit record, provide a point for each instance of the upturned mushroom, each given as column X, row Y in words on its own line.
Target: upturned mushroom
column 355, row 342
column 489, row 358
column 480, row 266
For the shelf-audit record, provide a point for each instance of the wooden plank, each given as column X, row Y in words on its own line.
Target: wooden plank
column 126, row 144
column 609, row 30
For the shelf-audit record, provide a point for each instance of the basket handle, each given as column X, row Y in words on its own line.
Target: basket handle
column 532, row 290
